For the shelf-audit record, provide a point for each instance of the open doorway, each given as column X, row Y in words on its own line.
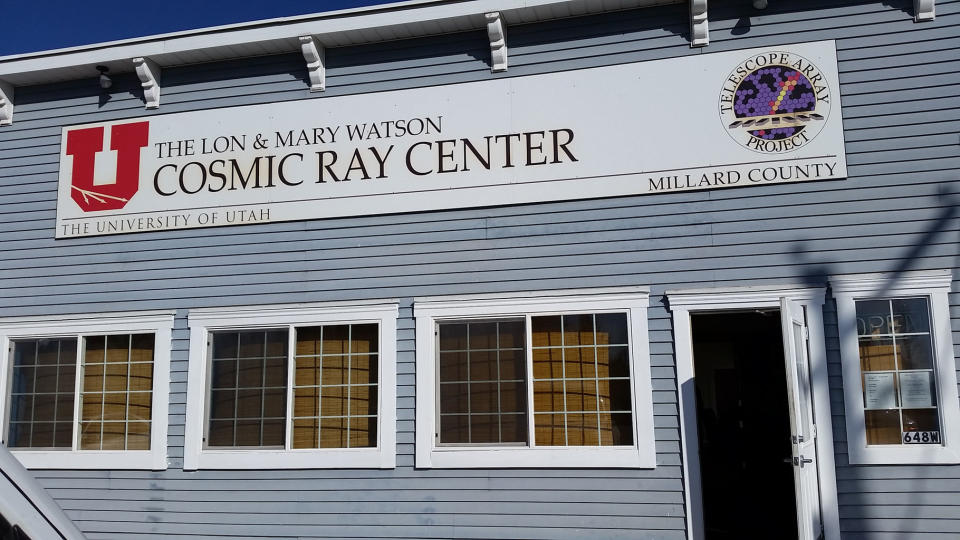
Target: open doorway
column 744, row 426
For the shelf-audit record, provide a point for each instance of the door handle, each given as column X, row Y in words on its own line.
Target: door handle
column 803, row 460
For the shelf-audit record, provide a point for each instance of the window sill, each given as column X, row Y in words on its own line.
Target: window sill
column 627, row 457
column 904, row 455
column 147, row 460
column 347, row 458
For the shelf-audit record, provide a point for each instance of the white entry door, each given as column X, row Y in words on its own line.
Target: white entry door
column 802, row 426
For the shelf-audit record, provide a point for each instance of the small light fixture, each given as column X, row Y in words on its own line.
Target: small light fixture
column 105, row 80
column 760, row 4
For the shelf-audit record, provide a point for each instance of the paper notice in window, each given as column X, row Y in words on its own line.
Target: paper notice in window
column 915, row 389
column 878, row 391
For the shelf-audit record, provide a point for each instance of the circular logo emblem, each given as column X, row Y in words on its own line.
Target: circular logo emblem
column 774, row 102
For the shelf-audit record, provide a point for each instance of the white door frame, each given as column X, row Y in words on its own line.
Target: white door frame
column 682, row 303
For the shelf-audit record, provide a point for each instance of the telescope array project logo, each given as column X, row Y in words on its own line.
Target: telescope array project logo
column 774, row 102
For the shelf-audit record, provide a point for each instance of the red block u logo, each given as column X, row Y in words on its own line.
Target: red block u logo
column 84, row 144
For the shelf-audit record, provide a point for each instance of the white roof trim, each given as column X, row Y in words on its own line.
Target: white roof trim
column 38, row 515
column 397, row 20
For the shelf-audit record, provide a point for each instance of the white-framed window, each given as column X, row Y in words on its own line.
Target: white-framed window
column 86, row 391
column 544, row 379
column 899, row 371
column 305, row 386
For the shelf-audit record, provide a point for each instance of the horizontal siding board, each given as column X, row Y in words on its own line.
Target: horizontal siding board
column 897, row 143
column 899, row 535
column 867, row 103
column 942, row 102
column 356, row 277
column 264, row 509
column 929, row 66
column 321, row 498
column 893, row 484
column 905, row 473
column 432, row 482
column 904, row 499
column 901, row 85
column 905, row 525
column 480, row 260
column 303, row 519
column 898, row 512
column 666, row 216
column 944, row 51
column 846, row 53
column 170, row 479
column 688, row 247
column 426, row 531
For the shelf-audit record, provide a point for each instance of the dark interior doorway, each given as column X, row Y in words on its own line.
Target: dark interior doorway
column 743, row 421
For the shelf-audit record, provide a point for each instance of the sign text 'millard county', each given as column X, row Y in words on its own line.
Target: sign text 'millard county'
column 727, row 119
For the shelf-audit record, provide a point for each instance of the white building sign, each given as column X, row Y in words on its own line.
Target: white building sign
column 707, row 121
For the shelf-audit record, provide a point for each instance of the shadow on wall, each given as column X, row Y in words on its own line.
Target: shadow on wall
column 816, row 274
column 745, row 14
column 634, row 24
column 125, row 87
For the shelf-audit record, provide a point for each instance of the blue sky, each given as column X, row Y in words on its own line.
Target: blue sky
column 38, row 25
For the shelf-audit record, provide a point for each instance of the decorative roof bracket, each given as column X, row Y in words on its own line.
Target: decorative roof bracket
column 497, row 32
column 699, row 25
column 315, row 55
column 149, row 73
column 924, row 10
column 6, row 104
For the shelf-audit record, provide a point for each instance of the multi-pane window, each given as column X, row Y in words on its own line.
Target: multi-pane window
column 899, row 368
column 581, row 380
column 334, row 392
column 897, row 372
column 482, row 382
column 575, row 366
column 42, row 393
column 115, row 385
column 248, row 388
column 335, row 386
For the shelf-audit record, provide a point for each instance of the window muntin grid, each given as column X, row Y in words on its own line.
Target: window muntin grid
column 42, row 393
column 581, row 380
column 482, row 380
column 896, row 344
column 115, row 391
column 335, row 386
column 248, row 388
column 331, row 383
column 579, row 366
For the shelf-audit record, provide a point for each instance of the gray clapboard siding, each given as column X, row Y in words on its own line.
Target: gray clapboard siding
column 482, row 261
column 72, row 499
column 489, row 229
column 598, row 265
column 899, row 85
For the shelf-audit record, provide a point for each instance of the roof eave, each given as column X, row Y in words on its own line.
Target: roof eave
column 400, row 20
